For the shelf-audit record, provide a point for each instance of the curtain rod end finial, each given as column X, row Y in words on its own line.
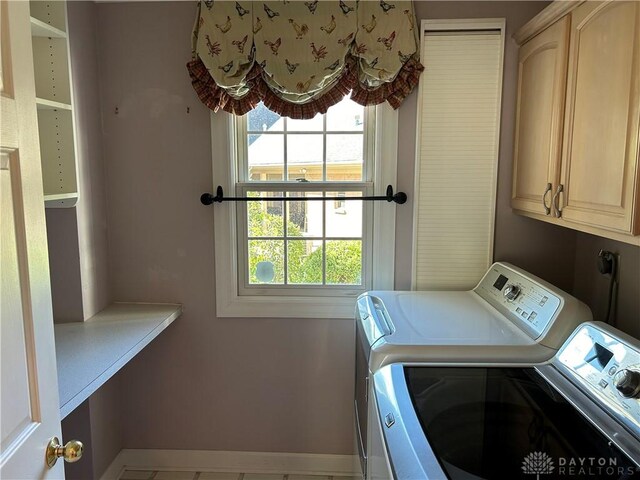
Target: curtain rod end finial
column 400, row 198
column 206, row 199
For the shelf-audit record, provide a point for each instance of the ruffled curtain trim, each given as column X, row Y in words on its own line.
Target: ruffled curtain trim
column 217, row 98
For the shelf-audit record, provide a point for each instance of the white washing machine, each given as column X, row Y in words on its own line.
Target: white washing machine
column 577, row 416
column 511, row 317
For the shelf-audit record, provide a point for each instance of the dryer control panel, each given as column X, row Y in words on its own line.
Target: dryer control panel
column 529, row 304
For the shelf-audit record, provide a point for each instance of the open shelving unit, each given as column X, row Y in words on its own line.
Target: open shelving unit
column 54, row 102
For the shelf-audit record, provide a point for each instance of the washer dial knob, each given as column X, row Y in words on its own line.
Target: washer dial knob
column 511, row 292
column 627, row 382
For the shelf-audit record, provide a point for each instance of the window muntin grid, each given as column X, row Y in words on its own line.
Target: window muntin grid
column 333, row 173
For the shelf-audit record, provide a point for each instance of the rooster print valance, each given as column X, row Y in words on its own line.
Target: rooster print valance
column 301, row 57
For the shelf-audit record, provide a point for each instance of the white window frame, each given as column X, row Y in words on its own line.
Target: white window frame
column 229, row 300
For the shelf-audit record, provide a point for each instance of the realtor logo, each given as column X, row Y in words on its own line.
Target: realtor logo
column 537, row 463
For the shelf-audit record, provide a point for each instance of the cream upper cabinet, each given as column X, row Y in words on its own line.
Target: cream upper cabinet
column 578, row 118
column 542, row 75
column 600, row 160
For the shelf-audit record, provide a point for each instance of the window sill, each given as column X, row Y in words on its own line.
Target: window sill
column 286, row 307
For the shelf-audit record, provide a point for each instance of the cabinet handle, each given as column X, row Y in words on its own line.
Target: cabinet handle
column 547, row 210
column 556, row 201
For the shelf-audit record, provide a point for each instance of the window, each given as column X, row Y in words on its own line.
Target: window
column 273, row 255
column 321, row 245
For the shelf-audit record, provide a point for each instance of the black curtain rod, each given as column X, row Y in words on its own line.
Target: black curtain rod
column 208, row 199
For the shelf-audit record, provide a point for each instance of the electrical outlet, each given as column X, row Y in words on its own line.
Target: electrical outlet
column 606, row 262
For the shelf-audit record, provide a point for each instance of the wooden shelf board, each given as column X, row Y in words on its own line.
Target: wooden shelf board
column 44, row 104
column 89, row 353
column 41, row 29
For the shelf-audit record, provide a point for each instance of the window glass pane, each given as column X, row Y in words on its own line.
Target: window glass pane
column 304, row 156
column 344, row 262
column 304, row 261
column 345, row 116
column 344, row 217
column 304, row 218
column 262, row 119
column 265, row 219
column 344, row 157
column 266, row 157
column 311, row 125
column 266, row 261
column 321, row 241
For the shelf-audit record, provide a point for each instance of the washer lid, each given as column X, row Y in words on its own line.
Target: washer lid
column 493, row 423
column 446, row 318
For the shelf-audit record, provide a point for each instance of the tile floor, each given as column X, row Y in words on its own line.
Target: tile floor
column 151, row 475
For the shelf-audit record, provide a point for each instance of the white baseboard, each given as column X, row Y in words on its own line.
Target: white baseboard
column 241, row 462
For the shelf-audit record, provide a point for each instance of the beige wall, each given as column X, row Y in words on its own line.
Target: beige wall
column 97, row 423
column 64, row 264
column 105, row 416
column 206, row 383
column 91, row 208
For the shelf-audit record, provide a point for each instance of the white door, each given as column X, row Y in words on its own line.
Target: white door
column 30, row 413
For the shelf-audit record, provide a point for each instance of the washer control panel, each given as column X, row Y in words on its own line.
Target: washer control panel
column 527, row 303
column 608, row 367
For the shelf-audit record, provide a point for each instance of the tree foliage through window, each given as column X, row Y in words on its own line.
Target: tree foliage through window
column 343, row 257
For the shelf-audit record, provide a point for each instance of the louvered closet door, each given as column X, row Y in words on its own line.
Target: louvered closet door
column 458, row 134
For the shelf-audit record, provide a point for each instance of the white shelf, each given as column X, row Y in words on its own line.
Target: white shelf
column 63, row 200
column 44, row 104
column 90, row 353
column 42, row 29
column 50, row 13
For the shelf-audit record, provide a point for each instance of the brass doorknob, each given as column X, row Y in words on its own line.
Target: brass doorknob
column 71, row 451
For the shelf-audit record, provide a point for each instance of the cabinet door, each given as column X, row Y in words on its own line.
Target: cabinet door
column 603, row 103
column 542, row 75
